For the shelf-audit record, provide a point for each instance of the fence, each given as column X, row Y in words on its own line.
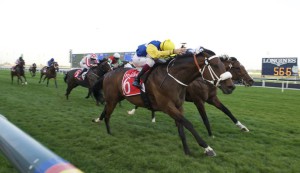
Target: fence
column 26, row 154
column 278, row 83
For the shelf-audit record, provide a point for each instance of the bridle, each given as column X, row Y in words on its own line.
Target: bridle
column 215, row 78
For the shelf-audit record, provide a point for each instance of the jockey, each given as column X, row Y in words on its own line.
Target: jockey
column 147, row 53
column 50, row 62
column 18, row 61
column 87, row 62
column 114, row 61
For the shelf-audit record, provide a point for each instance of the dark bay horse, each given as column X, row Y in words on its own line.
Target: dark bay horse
column 166, row 89
column 49, row 73
column 201, row 91
column 32, row 69
column 91, row 77
column 19, row 72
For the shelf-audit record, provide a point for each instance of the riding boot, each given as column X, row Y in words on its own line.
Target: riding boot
column 136, row 82
column 80, row 74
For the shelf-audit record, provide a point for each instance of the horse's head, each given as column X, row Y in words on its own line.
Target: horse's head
column 104, row 67
column 238, row 71
column 55, row 66
column 33, row 65
column 214, row 71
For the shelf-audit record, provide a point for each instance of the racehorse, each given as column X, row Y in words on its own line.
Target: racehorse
column 91, row 77
column 19, row 72
column 165, row 87
column 49, row 73
column 201, row 91
column 32, row 69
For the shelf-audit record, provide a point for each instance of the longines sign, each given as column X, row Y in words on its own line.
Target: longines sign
column 280, row 66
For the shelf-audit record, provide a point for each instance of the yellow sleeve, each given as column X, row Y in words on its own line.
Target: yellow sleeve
column 155, row 53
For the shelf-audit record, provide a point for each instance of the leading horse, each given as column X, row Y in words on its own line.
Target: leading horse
column 49, row 73
column 201, row 91
column 166, row 88
column 19, row 72
column 91, row 77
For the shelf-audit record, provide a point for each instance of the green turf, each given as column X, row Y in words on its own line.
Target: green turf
column 137, row 145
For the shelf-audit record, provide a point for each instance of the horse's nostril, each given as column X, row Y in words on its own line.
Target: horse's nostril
column 232, row 87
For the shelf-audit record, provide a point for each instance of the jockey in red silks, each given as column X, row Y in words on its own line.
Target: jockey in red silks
column 114, row 60
column 147, row 53
column 87, row 62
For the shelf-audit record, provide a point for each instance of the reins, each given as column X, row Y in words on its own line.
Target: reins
column 215, row 79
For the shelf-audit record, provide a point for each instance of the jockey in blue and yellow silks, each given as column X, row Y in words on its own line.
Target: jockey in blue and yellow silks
column 147, row 52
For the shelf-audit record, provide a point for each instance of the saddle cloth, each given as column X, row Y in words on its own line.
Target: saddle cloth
column 127, row 80
column 76, row 74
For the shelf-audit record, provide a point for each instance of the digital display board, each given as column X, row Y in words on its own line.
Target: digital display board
column 280, row 66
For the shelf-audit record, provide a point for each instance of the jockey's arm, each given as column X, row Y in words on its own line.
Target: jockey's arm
column 155, row 53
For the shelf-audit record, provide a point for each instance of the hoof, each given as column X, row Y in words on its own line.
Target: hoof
column 97, row 120
column 210, row 153
column 245, row 129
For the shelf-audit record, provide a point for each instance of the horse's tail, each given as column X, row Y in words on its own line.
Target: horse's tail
column 97, row 90
column 65, row 78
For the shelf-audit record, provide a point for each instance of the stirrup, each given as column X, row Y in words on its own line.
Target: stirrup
column 136, row 84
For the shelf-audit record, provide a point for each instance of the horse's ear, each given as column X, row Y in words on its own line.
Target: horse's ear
column 233, row 58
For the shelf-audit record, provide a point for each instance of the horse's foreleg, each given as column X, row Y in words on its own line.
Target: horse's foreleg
column 176, row 114
column 153, row 116
column 55, row 82
column 45, row 78
column 202, row 112
column 47, row 81
column 41, row 78
column 217, row 103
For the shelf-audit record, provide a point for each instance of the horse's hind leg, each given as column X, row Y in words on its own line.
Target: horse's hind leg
column 89, row 93
column 106, row 113
column 69, row 89
column 25, row 79
column 183, row 138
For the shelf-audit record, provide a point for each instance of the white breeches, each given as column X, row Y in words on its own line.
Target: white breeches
column 83, row 65
column 141, row 61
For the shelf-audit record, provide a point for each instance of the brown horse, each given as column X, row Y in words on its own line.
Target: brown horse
column 49, row 73
column 32, row 69
column 166, row 88
column 19, row 72
column 201, row 91
column 91, row 77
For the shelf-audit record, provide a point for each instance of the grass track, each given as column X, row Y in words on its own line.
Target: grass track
column 137, row 145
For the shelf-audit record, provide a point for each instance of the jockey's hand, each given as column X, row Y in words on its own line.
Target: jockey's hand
column 179, row 51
